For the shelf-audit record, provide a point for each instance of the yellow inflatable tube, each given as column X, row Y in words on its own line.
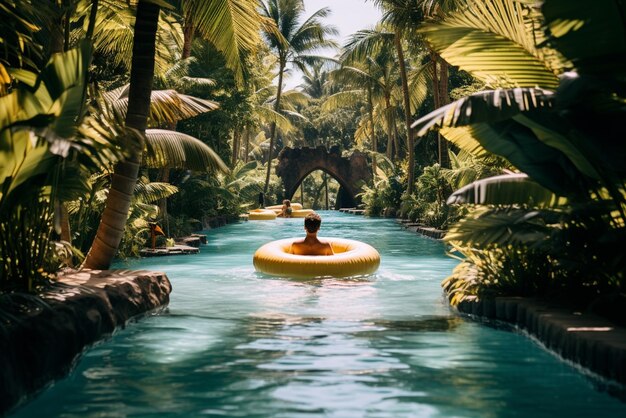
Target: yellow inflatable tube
column 279, row 208
column 351, row 258
column 261, row 215
column 302, row 213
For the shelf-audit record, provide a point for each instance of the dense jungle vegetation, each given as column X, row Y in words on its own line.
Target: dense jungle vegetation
column 500, row 121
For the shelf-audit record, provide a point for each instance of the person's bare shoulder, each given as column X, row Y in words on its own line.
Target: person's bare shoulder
column 296, row 247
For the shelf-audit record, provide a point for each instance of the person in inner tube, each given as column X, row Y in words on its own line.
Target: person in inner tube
column 310, row 245
column 286, row 209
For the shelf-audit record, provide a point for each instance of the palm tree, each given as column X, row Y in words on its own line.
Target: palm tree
column 370, row 70
column 403, row 16
column 294, row 44
column 211, row 18
column 314, row 81
column 125, row 175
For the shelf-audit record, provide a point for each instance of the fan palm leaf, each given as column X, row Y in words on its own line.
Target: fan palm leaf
column 166, row 106
column 150, row 192
column 178, row 150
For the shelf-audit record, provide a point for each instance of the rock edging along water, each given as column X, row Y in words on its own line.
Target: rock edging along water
column 586, row 339
column 420, row 228
column 40, row 338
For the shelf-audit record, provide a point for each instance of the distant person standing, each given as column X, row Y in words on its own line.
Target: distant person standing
column 310, row 245
column 261, row 200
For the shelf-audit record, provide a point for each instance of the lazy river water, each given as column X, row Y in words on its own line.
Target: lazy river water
column 240, row 344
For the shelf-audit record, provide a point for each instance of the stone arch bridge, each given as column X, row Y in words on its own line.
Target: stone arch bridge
column 295, row 164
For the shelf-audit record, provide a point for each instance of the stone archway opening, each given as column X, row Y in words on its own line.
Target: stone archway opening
column 317, row 190
column 295, row 164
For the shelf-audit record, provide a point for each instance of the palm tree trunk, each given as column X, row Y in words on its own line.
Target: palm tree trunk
column 389, row 127
column 165, row 178
column 247, row 148
column 444, row 98
column 188, row 33
column 326, row 188
column 440, row 98
column 407, row 114
column 236, row 145
column 66, row 31
column 113, row 221
column 371, row 115
column 279, row 92
column 396, row 142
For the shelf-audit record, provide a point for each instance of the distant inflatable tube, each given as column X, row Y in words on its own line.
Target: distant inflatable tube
column 261, row 215
column 351, row 258
column 279, row 208
column 302, row 213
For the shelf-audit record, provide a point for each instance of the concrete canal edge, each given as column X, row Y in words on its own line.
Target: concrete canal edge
column 42, row 343
column 586, row 339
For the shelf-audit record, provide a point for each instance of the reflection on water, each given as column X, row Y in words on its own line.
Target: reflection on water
column 237, row 343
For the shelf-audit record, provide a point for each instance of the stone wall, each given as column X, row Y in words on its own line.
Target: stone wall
column 581, row 337
column 40, row 338
column 295, row 164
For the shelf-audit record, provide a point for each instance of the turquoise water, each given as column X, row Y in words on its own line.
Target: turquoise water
column 236, row 343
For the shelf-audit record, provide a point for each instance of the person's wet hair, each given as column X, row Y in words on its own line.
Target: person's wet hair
column 312, row 222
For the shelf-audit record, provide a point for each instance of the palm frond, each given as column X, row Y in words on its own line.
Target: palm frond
column 232, row 26
column 150, row 192
column 365, row 43
column 178, row 150
column 346, row 98
column 166, row 106
column 490, row 39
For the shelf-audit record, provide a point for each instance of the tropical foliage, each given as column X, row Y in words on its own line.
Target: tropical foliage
column 532, row 191
column 557, row 226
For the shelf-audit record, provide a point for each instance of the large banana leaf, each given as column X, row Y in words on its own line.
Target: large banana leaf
column 462, row 137
column 591, row 35
column 50, row 107
column 178, row 150
column 491, row 120
column 491, row 40
column 556, row 132
column 519, row 145
column 63, row 82
column 508, row 189
column 502, row 227
column 485, row 107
